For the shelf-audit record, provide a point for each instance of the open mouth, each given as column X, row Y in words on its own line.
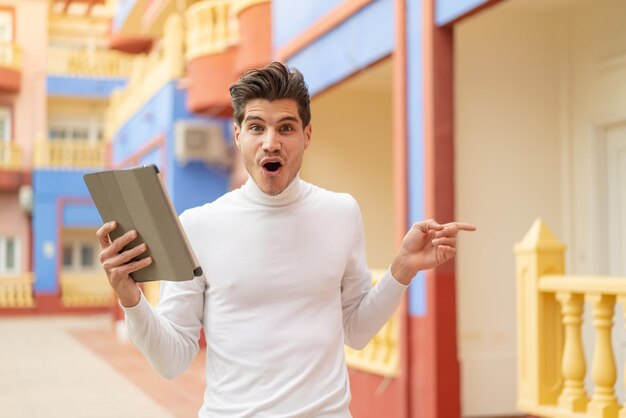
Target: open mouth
column 272, row 166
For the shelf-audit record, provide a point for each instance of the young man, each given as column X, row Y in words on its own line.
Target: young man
column 285, row 280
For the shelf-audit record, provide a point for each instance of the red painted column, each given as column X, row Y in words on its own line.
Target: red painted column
column 435, row 377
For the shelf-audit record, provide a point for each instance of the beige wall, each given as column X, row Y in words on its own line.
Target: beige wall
column 351, row 152
column 508, row 172
column 538, row 84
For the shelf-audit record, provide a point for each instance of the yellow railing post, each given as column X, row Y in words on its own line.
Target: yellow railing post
column 603, row 403
column 539, row 327
column 573, row 398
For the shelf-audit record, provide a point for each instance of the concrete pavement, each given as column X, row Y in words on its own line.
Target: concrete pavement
column 74, row 367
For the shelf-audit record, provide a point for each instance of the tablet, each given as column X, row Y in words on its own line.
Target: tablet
column 136, row 199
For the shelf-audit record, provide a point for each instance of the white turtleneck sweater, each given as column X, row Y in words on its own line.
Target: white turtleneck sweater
column 285, row 285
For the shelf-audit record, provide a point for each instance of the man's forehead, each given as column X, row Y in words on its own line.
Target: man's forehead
column 275, row 109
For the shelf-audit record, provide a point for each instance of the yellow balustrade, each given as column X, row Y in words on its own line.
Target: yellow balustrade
column 86, row 290
column 211, row 27
column 10, row 55
column 149, row 73
column 87, row 62
column 551, row 360
column 16, row 291
column 69, row 153
column 380, row 356
column 10, row 156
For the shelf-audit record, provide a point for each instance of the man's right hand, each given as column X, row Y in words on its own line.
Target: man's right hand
column 117, row 264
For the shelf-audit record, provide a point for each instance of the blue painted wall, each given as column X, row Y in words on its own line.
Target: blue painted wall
column 290, row 18
column 363, row 39
column 82, row 87
column 415, row 115
column 448, row 10
column 48, row 187
column 190, row 185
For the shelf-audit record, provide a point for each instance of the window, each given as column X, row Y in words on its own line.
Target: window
column 79, row 253
column 6, row 25
column 68, row 259
column 80, row 131
column 87, row 259
column 9, row 255
column 5, row 124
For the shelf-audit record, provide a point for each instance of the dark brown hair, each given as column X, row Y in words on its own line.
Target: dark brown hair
column 273, row 82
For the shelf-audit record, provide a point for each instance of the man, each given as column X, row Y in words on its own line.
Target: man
column 285, row 280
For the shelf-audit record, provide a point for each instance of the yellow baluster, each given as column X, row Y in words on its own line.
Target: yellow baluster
column 603, row 403
column 573, row 398
column 622, row 301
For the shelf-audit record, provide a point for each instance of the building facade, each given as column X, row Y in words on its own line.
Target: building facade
column 490, row 112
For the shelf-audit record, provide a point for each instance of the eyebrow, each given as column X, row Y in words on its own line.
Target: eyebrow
column 283, row 119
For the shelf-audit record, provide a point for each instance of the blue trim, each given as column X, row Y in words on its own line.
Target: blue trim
column 49, row 186
column 83, row 87
column 415, row 114
column 448, row 10
column 290, row 18
column 348, row 48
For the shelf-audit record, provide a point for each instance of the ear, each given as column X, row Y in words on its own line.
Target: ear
column 308, row 131
column 237, row 133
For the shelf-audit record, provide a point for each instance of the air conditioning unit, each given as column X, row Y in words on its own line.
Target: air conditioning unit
column 201, row 141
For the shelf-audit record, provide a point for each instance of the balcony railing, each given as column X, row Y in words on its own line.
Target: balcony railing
column 212, row 27
column 149, row 73
column 85, row 290
column 87, row 62
column 381, row 355
column 10, row 55
column 551, row 355
column 69, row 154
column 10, row 156
column 16, row 291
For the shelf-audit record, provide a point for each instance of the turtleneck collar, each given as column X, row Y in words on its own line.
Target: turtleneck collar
column 284, row 198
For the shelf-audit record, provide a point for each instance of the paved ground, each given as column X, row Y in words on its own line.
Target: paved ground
column 74, row 367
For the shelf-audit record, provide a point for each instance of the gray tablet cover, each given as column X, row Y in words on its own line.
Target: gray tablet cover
column 136, row 199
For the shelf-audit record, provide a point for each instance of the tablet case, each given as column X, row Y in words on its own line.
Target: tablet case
column 136, row 199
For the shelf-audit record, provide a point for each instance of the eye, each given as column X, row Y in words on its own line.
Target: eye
column 286, row 128
column 255, row 128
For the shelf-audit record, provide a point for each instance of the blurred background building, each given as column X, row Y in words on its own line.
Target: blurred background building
column 485, row 111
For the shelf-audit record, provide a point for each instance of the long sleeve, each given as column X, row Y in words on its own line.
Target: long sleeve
column 365, row 308
column 168, row 335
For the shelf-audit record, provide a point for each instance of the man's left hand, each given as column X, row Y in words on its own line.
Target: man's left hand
column 426, row 245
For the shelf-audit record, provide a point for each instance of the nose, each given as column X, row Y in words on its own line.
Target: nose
column 271, row 141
